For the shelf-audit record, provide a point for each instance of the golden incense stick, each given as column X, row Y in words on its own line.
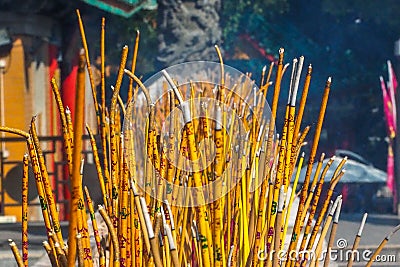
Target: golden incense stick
column 24, row 231
column 76, row 185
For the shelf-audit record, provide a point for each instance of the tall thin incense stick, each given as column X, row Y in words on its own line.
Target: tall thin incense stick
column 89, row 67
column 76, row 186
column 24, row 216
column 296, row 229
column 382, row 245
column 134, row 59
column 357, row 240
column 333, row 234
column 46, row 183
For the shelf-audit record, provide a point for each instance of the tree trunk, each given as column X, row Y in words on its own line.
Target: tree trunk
column 188, row 30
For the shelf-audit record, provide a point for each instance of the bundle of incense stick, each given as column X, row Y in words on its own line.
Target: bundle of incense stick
column 214, row 192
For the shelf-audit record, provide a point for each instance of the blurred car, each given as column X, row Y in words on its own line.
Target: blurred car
column 363, row 186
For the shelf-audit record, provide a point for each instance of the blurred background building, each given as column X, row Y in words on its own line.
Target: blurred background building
column 40, row 40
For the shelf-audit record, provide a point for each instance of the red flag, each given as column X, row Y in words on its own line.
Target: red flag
column 390, row 169
column 392, row 76
column 392, row 85
column 388, row 110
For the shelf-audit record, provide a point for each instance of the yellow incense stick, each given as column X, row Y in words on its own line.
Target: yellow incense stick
column 296, row 229
column 133, row 68
column 123, row 214
column 95, row 227
column 113, row 235
column 89, row 67
column 114, row 150
column 333, row 233
column 50, row 254
column 102, row 183
column 278, row 225
column 15, row 251
column 357, row 240
column 324, row 231
column 64, row 124
column 382, row 245
column 24, row 216
column 302, row 104
column 315, row 230
column 46, row 183
column 292, row 195
column 76, row 186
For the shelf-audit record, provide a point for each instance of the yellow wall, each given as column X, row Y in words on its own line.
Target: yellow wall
column 18, row 111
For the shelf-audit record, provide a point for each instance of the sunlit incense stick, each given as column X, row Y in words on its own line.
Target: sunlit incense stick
column 89, row 67
column 133, row 68
column 95, row 227
column 64, row 124
column 24, row 220
column 15, row 251
column 357, row 240
column 324, row 231
column 278, row 225
column 324, row 102
column 102, row 183
column 76, row 186
column 324, row 208
column 113, row 235
column 50, row 254
column 46, row 183
column 382, row 245
column 292, row 195
column 333, row 234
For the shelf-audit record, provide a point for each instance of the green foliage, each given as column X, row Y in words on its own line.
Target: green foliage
column 121, row 31
column 236, row 14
